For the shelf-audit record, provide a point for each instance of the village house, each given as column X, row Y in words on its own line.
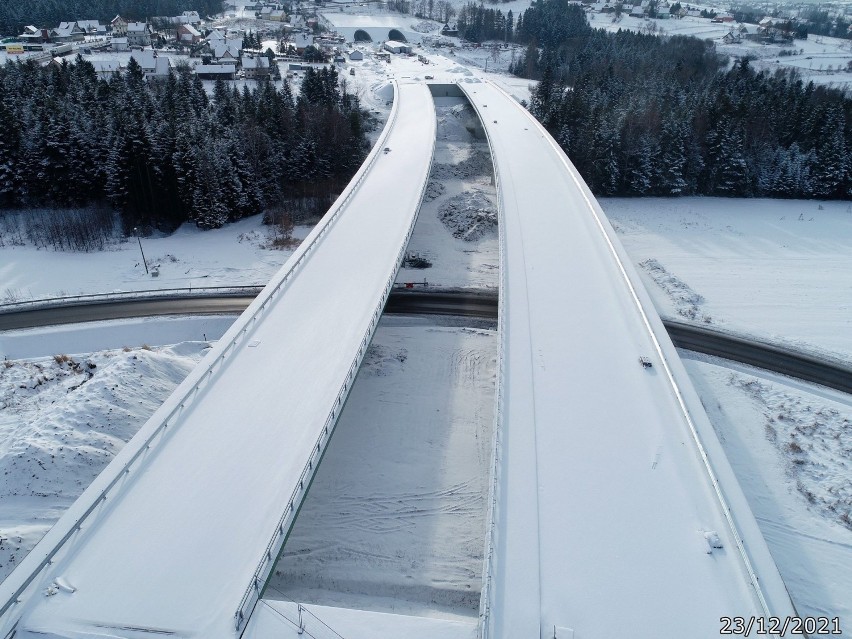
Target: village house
column 153, row 66
column 190, row 17
column 105, row 69
column 34, row 35
column 188, row 34
column 255, row 67
column 301, row 41
column 68, row 32
column 227, row 50
column 215, row 36
column 216, row 71
column 226, row 55
column 355, row 55
column 119, row 26
column 120, row 44
column 138, row 34
column 397, row 47
column 92, row 27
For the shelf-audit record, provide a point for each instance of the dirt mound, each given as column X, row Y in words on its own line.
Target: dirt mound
column 434, row 190
column 470, row 215
column 477, row 165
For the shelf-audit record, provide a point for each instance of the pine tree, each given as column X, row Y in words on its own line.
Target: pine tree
column 831, row 169
column 673, row 159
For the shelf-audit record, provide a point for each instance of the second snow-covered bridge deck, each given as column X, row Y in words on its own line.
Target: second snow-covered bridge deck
column 611, row 486
column 181, row 543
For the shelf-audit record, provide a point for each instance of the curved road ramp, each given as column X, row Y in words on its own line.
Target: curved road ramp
column 178, row 534
column 614, row 510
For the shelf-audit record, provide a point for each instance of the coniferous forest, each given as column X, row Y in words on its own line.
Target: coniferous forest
column 164, row 152
column 648, row 115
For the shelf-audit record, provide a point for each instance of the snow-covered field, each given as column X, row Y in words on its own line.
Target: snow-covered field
column 237, row 254
column 778, row 269
column 791, row 448
column 395, row 518
column 820, row 59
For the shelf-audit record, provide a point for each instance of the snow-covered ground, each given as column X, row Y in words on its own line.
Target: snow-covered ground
column 237, row 254
column 791, row 448
column 777, row 269
column 780, row 270
column 63, row 419
column 395, row 518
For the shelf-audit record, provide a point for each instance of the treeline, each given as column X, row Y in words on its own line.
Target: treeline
column 15, row 14
column 548, row 24
column 163, row 153
column 813, row 20
column 642, row 115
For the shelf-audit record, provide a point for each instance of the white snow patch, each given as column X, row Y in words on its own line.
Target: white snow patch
column 687, row 302
column 233, row 255
column 63, row 419
column 798, row 497
column 395, row 519
column 470, row 215
column 777, row 269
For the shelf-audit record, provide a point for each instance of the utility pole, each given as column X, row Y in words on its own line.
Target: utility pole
column 138, row 239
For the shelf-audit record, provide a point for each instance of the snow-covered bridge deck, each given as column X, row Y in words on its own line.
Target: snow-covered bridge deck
column 609, row 473
column 180, row 543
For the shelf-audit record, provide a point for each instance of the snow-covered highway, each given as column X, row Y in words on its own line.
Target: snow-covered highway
column 182, row 542
column 615, row 512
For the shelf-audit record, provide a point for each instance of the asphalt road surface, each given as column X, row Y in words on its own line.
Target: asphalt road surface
column 123, row 309
column 700, row 339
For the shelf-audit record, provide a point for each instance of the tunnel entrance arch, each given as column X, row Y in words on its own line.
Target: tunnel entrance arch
column 396, row 34
column 362, row 36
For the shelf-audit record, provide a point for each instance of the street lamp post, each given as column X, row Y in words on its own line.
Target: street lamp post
column 138, row 239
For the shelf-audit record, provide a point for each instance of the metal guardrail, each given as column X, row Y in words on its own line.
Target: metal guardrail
column 496, row 441
column 15, row 586
column 279, row 536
